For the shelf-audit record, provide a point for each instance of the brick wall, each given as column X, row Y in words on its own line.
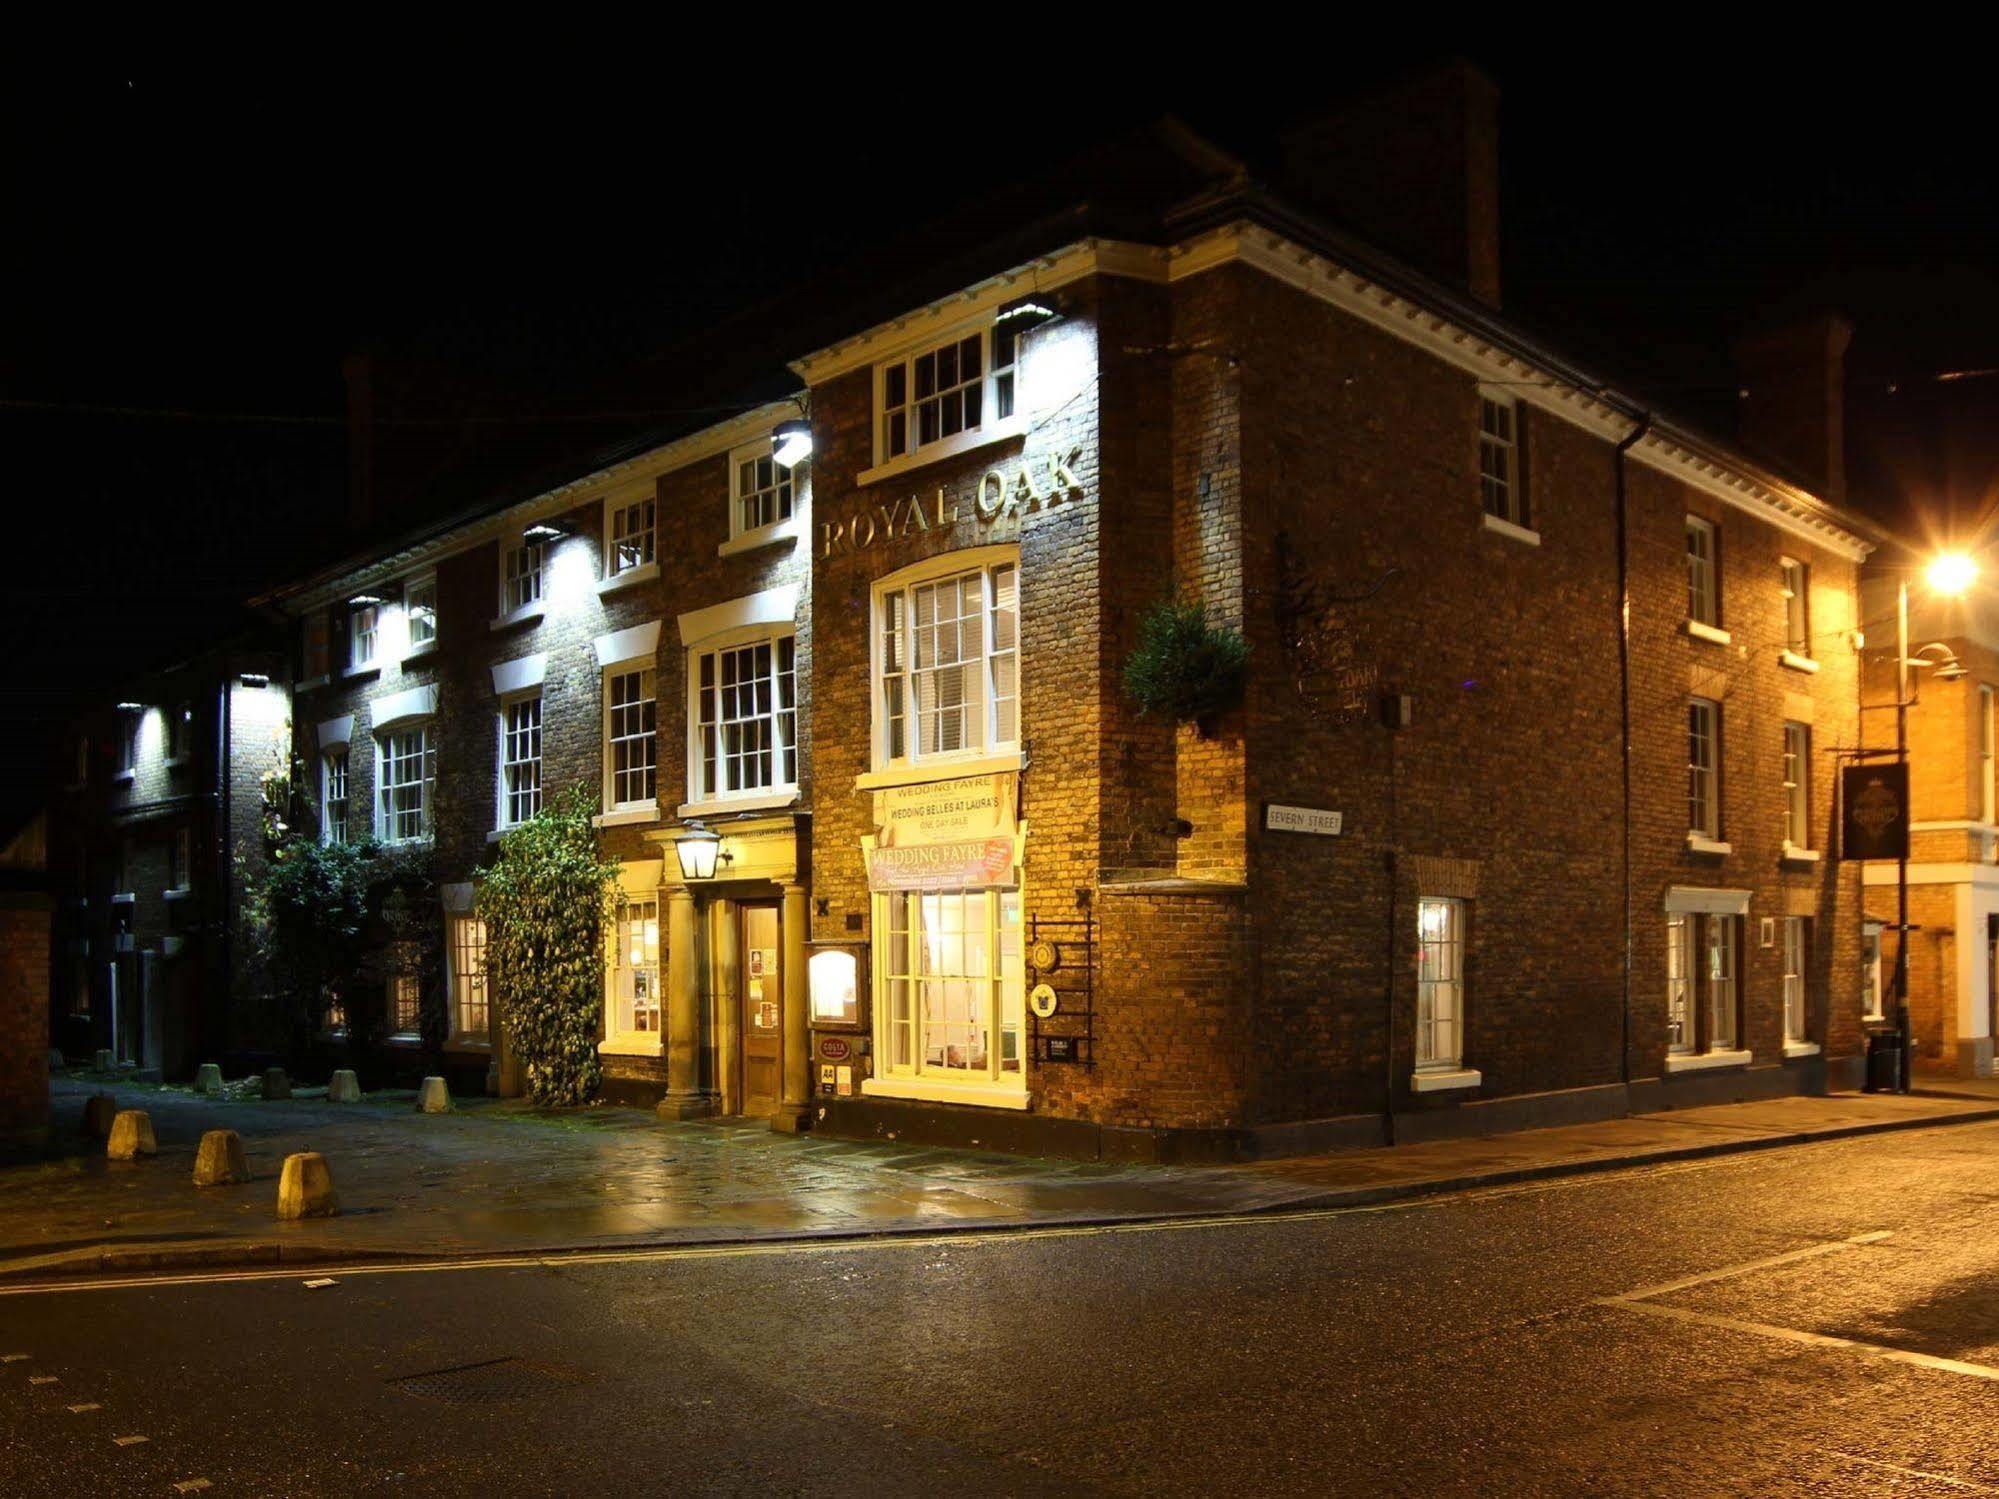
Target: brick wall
column 24, row 1014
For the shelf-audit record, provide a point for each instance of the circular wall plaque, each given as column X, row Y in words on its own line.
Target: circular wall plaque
column 1042, row 1001
column 1047, row 955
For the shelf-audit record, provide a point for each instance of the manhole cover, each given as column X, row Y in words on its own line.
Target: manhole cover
column 492, row 1381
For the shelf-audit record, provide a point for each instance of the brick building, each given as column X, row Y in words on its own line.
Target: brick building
column 154, row 821
column 1523, row 815
column 24, row 982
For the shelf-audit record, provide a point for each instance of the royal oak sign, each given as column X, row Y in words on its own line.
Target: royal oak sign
column 999, row 499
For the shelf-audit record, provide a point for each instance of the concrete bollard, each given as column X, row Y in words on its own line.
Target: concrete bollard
column 220, row 1161
column 433, row 1097
column 57, row 1061
column 98, row 1112
column 131, row 1136
column 305, row 1188
column 276, row 1084
column 104, row 1061
column 343, row 1087
column 208, row 1079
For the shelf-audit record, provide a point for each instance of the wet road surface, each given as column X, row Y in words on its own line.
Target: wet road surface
column 1815, row 1320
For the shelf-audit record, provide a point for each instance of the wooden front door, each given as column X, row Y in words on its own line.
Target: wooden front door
column 762, row 1026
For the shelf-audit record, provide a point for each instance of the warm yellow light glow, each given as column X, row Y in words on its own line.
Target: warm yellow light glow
column 1952, row 573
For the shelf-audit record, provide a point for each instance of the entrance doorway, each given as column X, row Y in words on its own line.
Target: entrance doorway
column 761, row 1010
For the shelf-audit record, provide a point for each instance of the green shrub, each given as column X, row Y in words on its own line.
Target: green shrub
column 1184, row 668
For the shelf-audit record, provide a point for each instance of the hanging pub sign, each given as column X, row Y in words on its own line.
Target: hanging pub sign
column 945, row 835
column 1874, row 811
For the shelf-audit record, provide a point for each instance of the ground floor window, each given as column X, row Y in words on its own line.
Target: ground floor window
column 633, row 1002
column 1703, row 996
column 1797, row 934
column 1440, row 982
column 953, row 982
column 1870, row 970
column 405, row 1003
column 470, row 1016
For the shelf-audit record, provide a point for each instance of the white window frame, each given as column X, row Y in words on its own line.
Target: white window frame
column 520, row 589
column 1797, row 784
column 1000, row 407
column 507, row 812
column 1872, row 995
column 619, row 509
column 786, row 489
column 330, row 781
column 623, row 977
column 426, row 782
column 1721, row 980
column 405, row 988
column 419, row 602
column 647, row 666
column 1794, row 584
column 1703, row 572
column 465, row 977
column 1681, row 964
column 1500, row 491
column 1797, row 952
column 1704, row 772
column 981, row 743
column 358, row 658
column 902, row 1032
column 180, row 726
column 699, row 791
column 1440, row 983
column 128, row 744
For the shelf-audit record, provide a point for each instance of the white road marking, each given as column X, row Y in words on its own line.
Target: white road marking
column 43, row 1379
column 1811, row 1339
column 88, row 1405
column 1943, row 1478
column 191, row 1485
column 314, row 1285
column 1729, row 1272
column 131, row 1441
column 14, row 1358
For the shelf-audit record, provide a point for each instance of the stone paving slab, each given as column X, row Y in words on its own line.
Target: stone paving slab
column 495, row 1178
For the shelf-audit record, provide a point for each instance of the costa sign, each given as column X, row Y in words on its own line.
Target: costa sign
column 998, row 498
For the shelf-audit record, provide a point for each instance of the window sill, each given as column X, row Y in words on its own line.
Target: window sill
column 125, row 898
column 938, row 770
column 1796, row 662
column 1795, row 855
column 722, row 806
column 1706, row 1060
column 1499, row 525
column 780, row 533
column 627, row 1048
column 469, row 1043
column 1697, row 844
column 1800, row 1049
column 179, row 892
column 176, row 763
column 528, row 616
column 424, row 840
column 313, row 684
column 1710, row 633
column 402, row 1038
column 950, row 447
column 923, row 1090
column 124, row 777
column 1445, row 1080
column 624, row 817
column 360, row 673
column 418, row 653
column 631, row 577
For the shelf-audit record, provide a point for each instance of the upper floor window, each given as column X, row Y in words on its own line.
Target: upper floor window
column 964, row 385
column 520, row 760
column 1794, row 584
column 948, row 664
column 82, row 760
column 762, row 491
column 1703, row 767
column 362, row 624
column 128, row 743
column 333, row 796
column 180, row 720
column 1703, row 573
column 420, row 611
column 745, row 718
column 520, row 577
column 406, row 773
column 631, row 737
column 631, row 537
column 1499, row 459
column 1797, row 785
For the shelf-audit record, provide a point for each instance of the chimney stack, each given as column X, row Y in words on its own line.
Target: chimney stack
column 1793, row 402
column 1414, row 167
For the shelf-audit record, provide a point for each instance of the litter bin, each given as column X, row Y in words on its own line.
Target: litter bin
column 1884, row 1062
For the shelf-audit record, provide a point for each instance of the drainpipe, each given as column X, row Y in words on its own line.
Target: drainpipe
column 225, row 877
column 1642, row 426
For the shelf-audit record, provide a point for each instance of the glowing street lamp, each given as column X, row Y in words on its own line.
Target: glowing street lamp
column 1951, row 574
column 791, row 442
column 697, row 848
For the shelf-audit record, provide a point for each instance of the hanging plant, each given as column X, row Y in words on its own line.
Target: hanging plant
column 546, row 902
column 1184, row 668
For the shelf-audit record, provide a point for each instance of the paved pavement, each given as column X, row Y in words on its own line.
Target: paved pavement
column 506, row 1179
column 1820, row 1321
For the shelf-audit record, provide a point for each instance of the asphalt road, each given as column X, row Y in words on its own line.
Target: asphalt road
column 1527, row 1341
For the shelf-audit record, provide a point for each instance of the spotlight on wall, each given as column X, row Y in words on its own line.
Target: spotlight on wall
column 791, row 442
column 364, row 600
column 1023, row 313
column 254, row 679
column 131, row 707
column 542, row 532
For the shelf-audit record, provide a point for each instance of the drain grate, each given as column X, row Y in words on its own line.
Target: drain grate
column 492, row 1381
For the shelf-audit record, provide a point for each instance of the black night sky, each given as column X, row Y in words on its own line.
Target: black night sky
column 188, row 257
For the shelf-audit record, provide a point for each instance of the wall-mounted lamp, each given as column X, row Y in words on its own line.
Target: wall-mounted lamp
column 542, row 532
column 791, row 442
column 699, row 847
column 254, row 679
column 1027, row 312
column 365, row 600
column 131, row 707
